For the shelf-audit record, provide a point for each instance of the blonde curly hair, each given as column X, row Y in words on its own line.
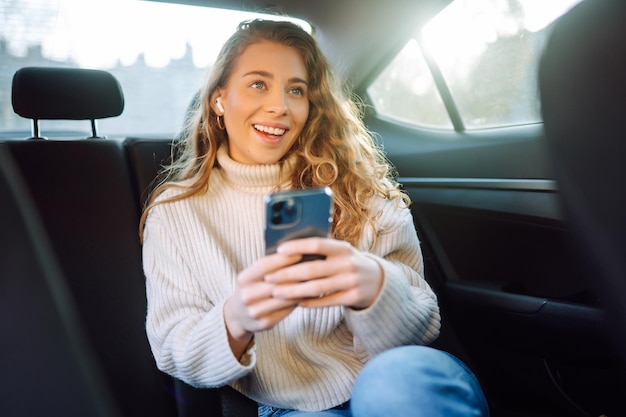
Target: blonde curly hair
column 334, row 149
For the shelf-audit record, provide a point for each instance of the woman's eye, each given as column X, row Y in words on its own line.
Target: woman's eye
column 298, row 91
column 258, row 84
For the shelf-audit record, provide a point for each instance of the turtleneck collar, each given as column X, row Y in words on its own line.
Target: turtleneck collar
column 251, row 176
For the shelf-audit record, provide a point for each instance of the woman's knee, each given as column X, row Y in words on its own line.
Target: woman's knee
column 417, row 380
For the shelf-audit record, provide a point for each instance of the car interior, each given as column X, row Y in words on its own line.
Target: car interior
column 521, row 224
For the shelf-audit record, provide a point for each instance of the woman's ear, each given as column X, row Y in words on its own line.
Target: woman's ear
column 216, row 102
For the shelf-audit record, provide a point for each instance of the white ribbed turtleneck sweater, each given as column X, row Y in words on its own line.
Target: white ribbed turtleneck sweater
column 193, row 251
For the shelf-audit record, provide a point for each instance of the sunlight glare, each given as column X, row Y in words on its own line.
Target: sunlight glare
column 105, row 33
column 462, row 31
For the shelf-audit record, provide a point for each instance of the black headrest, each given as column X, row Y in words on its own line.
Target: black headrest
column 44, row 93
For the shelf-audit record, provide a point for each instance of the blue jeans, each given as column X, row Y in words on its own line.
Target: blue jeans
column 408, row 381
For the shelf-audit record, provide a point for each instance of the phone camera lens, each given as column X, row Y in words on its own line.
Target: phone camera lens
column 276, row 217
column 290, row 209
column 284, row 212
column 277, row 212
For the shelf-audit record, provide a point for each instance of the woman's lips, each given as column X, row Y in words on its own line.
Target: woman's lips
column 270, row 134
column 273, row 131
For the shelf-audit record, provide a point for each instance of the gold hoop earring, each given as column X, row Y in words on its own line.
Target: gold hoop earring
column 220, row 122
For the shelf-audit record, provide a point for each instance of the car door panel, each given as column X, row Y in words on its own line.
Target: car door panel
column 512, row 280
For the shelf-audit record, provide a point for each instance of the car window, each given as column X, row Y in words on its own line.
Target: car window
column 406, row 91
column 159, row 52
column 484, row 53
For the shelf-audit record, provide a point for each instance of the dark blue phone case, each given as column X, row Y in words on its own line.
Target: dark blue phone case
column 297, row 214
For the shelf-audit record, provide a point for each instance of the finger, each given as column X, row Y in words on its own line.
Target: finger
column 260, row 315
column 314, row 288
column 340, row 298
column 270, row 263
column 272, row 319
column 300, row 272
column 314, row 245
column 254, row 292
column 353, row 292
column 306, row 271
column 266, row 309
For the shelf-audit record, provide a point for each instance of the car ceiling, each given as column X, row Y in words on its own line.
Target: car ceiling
column 356, row 35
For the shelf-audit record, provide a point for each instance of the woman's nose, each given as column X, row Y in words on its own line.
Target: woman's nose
column 277, row 103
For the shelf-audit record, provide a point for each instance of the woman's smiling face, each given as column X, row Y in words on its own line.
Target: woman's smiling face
column 265, row 103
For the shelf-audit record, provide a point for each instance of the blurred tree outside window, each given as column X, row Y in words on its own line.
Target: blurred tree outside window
column 487, row 52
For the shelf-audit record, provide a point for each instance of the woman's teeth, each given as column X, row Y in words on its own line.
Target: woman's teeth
column 270, row 130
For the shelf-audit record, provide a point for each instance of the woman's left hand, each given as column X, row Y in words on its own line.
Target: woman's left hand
column 346, row 277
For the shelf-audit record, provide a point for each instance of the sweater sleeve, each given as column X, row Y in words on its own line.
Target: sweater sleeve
column 406, row 310
column 187, row 333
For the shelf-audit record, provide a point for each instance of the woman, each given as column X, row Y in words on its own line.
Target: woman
column 292, row 336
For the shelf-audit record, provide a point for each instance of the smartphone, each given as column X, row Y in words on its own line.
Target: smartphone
column 297, row 214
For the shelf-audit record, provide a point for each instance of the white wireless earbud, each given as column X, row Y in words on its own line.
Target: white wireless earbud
column 219, row 105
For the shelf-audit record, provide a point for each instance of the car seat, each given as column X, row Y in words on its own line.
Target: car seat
column 582, row 84
column 47, row 364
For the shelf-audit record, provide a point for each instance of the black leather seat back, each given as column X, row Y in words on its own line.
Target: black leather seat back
column 47, row 365
column 583, row 93
column 83, row 192
column 147, row 157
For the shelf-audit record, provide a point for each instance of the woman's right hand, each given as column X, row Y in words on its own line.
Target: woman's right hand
column 251, row 307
